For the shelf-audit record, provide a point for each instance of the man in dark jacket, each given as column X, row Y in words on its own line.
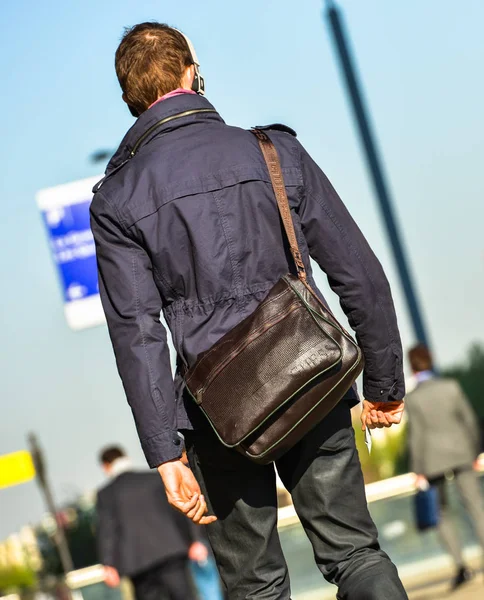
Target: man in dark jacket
column 186, row 222
column 140, row 536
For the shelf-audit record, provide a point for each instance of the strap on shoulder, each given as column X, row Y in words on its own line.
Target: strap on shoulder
column 274, row 167
column 277, row 127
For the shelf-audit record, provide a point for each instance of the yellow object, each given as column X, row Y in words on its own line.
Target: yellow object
column 16, row 468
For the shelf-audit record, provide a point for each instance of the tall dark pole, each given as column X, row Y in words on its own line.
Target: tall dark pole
column 375, row 166
column 59, row 536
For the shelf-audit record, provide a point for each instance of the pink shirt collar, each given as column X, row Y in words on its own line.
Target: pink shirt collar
column 177, row 92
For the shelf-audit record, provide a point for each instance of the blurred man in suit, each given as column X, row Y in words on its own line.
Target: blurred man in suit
column 444, row 440
column 140, row 536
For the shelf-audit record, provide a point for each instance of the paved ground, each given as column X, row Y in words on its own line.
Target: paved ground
column 470, row 591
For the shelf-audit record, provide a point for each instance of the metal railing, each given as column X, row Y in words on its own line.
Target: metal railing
column 401, row 485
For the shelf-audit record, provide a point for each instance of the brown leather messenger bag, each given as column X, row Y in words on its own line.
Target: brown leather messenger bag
column 280, row 371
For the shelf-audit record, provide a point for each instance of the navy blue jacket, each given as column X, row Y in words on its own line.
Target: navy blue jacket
column 189, row 226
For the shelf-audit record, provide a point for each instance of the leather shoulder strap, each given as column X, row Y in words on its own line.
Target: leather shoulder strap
column 274, row 167
column 278, row 127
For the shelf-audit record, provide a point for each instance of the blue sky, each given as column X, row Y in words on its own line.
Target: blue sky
column 264, row 61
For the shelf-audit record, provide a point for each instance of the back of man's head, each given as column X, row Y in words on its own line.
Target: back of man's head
column 150, row 62
column 110, row 454
column 420, row 359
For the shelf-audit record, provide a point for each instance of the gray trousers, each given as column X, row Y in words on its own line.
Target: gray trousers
column 469, row 491
column 323, row 475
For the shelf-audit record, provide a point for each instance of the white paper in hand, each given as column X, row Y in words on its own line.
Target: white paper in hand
column 368, row 439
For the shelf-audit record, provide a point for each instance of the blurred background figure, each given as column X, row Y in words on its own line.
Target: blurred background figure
column 205, row 573
column 444, row 442
column 140, row 536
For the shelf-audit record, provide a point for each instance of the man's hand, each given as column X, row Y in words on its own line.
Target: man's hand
column 421, row 482
column 183, row 491
column 381, row 414
column 198, row 552
column 111, row 577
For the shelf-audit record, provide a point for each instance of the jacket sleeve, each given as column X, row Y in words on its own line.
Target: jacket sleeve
column 106, row 532
column 468, row 417
column 132, row 305
column 354, row 273
column 416, row 439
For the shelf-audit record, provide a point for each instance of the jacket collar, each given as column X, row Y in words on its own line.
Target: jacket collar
column 423, row 376
column 119, row 466
column 161, row 110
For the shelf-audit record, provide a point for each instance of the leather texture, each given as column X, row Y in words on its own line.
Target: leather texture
column 279, row 372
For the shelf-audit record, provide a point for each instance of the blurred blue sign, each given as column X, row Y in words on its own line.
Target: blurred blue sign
column 65, row 211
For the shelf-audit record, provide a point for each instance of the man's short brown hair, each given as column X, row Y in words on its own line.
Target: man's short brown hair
column 110, row 454
column 150, row 62
column 420, row 358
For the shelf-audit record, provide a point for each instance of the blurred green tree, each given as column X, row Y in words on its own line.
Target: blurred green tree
column 470, row 375
column 388, row 454
column 16, row 578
